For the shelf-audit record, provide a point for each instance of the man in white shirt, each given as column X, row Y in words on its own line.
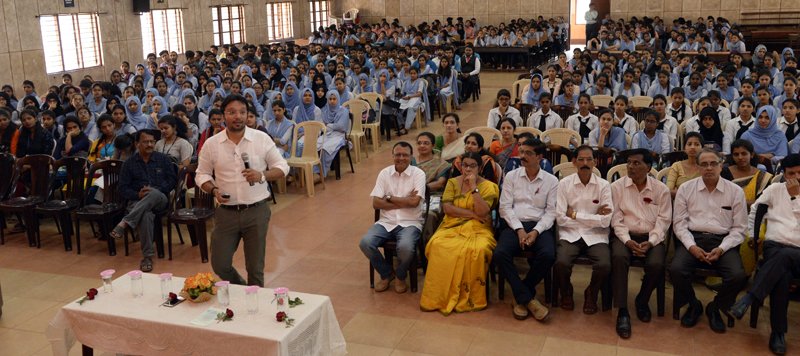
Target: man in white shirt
column 781, row 251
column 642, row 215
column 591, row 21
column 710, row 216
column 528, row 206
column 583, row 214
column 398, row 194
column 235, row 166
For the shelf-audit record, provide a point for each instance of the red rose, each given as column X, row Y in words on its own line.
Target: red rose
column 648, row 200
column 596, row 201
column 229, row 313
column 92, row 291
column 280, row 316
column 89, row 296
column 173, row 297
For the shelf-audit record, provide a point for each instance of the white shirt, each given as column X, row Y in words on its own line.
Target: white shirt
column 524, row 199
column 721, row 211
column 397, row 184
column 670, row 128
column 648, row 211
column 222, row 158
column 783, row 215
column 784, row 125
column 494, row 116
column 573, row 123
column 628, row 123
column 552, row 120
column 593, row 228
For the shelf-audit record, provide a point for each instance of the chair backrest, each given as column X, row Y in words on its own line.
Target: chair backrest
column 76, row 174
column 488, row 134
column 560, row 136
column 358, row 108
column 111, row 170
column 532, row 130
column 563, row 170
column 7, row 174
column 723, row 102
column 311, row 130
column 564, row 111
column 375, row 100
column 667, row 159
column 602, row 101
column 761, row 210
column 516, row 89
column 41, row 172
column 557, row 154
column 662, row 175
column 525, row 112
column 617, row 172
column 640, row 101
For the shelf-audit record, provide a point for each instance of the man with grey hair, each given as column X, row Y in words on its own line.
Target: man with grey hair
column 710, row 216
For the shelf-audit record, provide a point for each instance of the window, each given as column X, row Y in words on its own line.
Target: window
column 71, row 41
column 228, row 24
column 319, row 14
column 279, row 21
column 162, row 30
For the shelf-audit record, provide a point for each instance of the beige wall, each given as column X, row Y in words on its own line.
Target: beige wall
column 692, row 9
column 485, row 11
column 22, row 56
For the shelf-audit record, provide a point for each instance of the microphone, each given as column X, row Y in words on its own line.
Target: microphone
column 246, row 159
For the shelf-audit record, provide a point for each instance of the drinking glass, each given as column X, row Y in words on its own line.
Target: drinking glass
column 137, row 285
column 106, row 276
column 223, row 298
column 251, row 299
column 282, row 298
column 166, row 285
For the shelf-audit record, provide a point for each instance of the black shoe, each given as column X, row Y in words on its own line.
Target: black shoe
column 777, row 343
column 624, row 324
column 714, row 318
column 692, row 314
column 740, row 307
column 643, row 312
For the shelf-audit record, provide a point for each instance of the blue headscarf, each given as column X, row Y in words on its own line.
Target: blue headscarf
column 532, row 96
column 164, row 106
column 770, row 139
column 252, row 92
column 331, row 114
column 358, row 89
column 305, row 112
column 137, row 118
column 268, row 115
column 291, row 101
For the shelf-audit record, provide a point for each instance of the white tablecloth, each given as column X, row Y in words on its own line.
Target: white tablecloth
column 119, row 323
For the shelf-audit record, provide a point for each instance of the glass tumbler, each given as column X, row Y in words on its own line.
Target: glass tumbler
column 251, row 299
column 166, row 285
column 223, row 296
column 137, row 285
column 107, row 276
column 282, row 298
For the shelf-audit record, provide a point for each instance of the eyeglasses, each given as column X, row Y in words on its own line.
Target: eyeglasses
column 705, row 165
column 469, row 165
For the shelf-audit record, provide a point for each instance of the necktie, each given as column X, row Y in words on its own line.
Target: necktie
column 743, row 128
column 790, row 131
column 584, row 129
column 661, row 125
column 677, row 113
column 543, row 122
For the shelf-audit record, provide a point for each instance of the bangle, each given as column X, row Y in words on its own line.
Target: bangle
column 212, row 190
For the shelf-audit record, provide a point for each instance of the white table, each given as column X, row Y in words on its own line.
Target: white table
column 119, row 323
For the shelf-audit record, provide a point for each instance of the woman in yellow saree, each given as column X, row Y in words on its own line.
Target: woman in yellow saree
column 460, row 250
column 745, row 174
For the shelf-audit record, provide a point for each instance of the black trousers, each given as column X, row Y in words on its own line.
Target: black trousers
column 544, row 255
column 469, row 85
column 781, row 264
column 620, row 263
column 729, row 265
column 565, row 256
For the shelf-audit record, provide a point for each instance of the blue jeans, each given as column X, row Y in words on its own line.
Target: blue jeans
column 406, row 244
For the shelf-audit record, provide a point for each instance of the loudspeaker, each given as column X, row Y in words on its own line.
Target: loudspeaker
column 141, row 6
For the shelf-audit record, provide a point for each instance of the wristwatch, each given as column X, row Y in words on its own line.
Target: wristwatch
column 388, row 197
column 263, row 178
column 476, row 190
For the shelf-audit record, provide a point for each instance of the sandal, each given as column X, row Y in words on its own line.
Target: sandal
column 17, row 228
column 146, row 265
column 119, row 231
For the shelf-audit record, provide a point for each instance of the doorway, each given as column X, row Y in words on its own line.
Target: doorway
column 577, row 24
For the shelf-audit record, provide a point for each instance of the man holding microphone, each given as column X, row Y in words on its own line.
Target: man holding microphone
column 235, row 166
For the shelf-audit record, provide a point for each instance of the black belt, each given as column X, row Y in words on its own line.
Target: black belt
column 241, row 207
column 707, row 234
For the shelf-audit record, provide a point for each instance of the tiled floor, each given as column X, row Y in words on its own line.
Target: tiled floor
column 312, row 247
